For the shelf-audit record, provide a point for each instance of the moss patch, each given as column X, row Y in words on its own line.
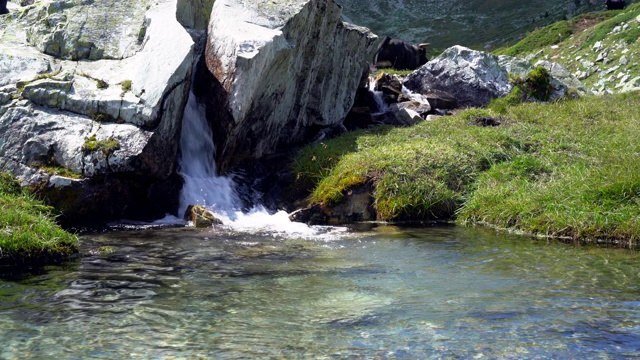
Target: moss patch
column 107, row 146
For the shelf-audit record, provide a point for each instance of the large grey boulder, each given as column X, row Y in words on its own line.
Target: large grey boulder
column 475, row 77
column 114, row 122
column 287, row 69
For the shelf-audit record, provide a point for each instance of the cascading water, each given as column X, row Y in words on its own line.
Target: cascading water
column 202, row 185
column 381, row 105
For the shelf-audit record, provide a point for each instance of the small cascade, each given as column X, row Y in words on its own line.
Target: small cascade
column 202, row 186
column 411, row 95
column 381, row 105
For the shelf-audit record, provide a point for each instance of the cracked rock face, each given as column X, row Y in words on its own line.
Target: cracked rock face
column 286, row 70
column 113, row 118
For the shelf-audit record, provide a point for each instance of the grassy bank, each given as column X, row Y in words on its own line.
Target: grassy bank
column 28, row 233
column 565, row 169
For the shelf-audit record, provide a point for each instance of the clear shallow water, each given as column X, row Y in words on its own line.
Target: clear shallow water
column 381, row 292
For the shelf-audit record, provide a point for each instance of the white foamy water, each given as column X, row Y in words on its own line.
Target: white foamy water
column 259, row 220
column 413, row 96
column 202, row 186
column 381, row 105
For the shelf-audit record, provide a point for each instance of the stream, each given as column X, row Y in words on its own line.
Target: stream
column 363, row 291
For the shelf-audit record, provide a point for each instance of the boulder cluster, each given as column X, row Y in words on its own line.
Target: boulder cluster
column 458, row 78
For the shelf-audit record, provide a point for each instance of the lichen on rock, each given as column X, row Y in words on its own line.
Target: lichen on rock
column 75, row 30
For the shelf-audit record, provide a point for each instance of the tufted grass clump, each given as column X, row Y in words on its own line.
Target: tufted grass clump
column 392, row 71
column 28, row 232
column 60, row 171
column 107, row 146
column 126, row 86
column 536, row 85
column 569, row 169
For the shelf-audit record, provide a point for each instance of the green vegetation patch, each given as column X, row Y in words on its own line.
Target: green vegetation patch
column 126, row 86
column 28, row 232
column 392, row 71
column 536, row 86
column 603, row 29
column 557, row 32
column 570, row 168
column 57, row 170
column 102, row 117
column 548, row 35
column 107, row 146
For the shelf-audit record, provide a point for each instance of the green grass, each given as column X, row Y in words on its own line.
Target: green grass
column 570, row 169
column 548, row 35
column 576, row 52
column 28, row 232
column 126, row 86
column 556, row 33
column 605, row 27
column 392, row 71
column 57, row 170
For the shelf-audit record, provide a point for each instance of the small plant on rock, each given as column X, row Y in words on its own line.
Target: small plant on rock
column 101, row 117
column 101, row 84
column 126, row 86
column 108, row 146
column 536, row 86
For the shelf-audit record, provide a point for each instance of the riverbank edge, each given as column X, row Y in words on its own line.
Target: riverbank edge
column 516, row 160
column 29, row 234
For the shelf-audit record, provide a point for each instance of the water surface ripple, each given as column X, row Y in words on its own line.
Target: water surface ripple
column 376, row 293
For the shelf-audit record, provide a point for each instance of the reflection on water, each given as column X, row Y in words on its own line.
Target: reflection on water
column 381, row 292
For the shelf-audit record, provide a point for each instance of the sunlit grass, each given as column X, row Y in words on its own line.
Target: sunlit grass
column 570, row 168
column 28, row 232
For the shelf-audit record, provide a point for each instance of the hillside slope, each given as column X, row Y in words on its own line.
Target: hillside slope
column 472, row 23
column 600, row 49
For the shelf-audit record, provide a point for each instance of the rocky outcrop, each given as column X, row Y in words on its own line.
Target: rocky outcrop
column 286, row 71
column 473, row 77
column 111, row 123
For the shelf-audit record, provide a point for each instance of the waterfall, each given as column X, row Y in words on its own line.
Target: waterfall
column 202, row 186
column 381, row 105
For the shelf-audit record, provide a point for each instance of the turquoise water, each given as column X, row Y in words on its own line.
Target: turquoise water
column 376, row 293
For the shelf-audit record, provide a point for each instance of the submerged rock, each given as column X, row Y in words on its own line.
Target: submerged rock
column 201, row 217
column 112, row 124
column 285, row 70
